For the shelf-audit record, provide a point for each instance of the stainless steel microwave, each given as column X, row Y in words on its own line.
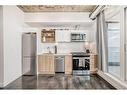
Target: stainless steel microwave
column 78, row 37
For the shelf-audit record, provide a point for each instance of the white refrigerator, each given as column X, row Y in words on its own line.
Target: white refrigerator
column 29, row 53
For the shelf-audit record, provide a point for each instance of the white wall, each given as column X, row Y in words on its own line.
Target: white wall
column 1, row 46
column 55, row 20
column 57, row 17
column 64, row 47
column 71, row 47
column 12, row 25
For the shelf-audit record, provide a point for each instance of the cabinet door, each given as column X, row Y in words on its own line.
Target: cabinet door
column 46, row 64
column 59, row 36
column 66, row 36
column 41, row 64
column 68, row 64
column 93, row 63
column 63, row 36
column 51, row 64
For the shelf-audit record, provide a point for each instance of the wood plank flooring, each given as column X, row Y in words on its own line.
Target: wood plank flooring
column 60, row 81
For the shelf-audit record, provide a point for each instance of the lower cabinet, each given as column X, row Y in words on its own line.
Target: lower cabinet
column 68, row 64
column 46, row 64
column 93, row 64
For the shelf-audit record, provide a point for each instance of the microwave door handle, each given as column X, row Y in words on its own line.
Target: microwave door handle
column 81, row 37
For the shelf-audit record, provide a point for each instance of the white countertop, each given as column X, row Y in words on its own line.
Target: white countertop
column 57, row 54
column 65, row 54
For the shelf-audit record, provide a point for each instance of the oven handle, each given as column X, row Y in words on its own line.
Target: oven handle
column 81, row 57
column 78, row 57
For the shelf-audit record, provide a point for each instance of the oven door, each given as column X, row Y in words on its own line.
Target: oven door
column 87, row 63
column 81, row 66
column 75, row 63
column 78, row 63
column 76, row 69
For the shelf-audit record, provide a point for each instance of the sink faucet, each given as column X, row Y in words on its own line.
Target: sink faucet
column 55, row 49
column 49, row 49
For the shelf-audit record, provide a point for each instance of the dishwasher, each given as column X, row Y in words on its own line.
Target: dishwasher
column 59, row 64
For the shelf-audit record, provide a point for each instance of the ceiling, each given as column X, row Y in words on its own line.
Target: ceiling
column 57, row 8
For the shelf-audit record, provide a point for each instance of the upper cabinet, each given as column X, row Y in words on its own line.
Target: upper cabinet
column 63, row 36
column 52, row 36
column 48, row 36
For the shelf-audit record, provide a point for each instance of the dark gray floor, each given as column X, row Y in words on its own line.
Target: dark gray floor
column 59, row 81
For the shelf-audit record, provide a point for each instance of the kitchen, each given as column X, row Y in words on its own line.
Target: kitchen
column 61, row 56
column 61, row 44
column 50, row 44
column 63, row 47
column 59, row 48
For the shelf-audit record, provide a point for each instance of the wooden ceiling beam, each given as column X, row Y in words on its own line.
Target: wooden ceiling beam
column 57, row 8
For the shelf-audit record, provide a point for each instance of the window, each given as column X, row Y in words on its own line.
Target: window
column 113, row 39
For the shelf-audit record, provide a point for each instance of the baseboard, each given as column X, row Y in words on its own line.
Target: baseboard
column 118, row 84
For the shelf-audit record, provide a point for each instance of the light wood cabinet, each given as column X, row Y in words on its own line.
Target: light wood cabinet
column 68, row 64
column 93, row 64
column 46, row 64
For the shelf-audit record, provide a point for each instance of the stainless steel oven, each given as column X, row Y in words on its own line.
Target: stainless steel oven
column 81, row 64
